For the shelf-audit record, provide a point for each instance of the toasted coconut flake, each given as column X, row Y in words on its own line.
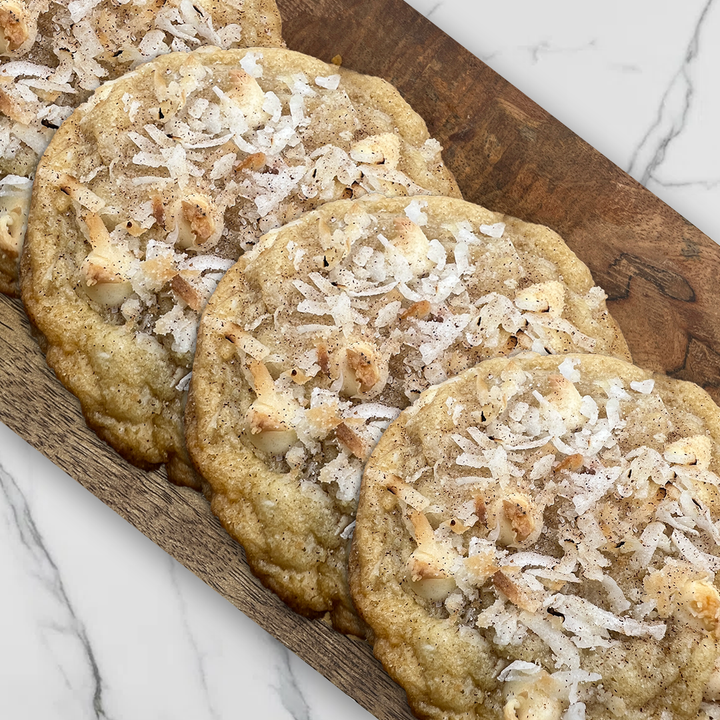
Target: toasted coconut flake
column 407, row 493
column 480, row 567
column 573, row 463
column 252, row 163
column 246, row 342
column 81, row 194
column 189, row 293
column 418, row 310
column 352, row 441
column 518, row 596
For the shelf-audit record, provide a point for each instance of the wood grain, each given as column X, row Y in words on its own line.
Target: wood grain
column 507, row 153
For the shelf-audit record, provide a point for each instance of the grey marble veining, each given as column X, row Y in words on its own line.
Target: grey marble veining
column 60, row 635
column 674, row 108
column 97, row 622
column 289, row 690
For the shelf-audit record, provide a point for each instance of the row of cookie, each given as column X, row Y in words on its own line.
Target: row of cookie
column 317, row 339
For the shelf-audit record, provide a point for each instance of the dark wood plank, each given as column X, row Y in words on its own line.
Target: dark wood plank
column 508, row 154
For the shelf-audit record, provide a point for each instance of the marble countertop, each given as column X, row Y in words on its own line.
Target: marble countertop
column 98, row 622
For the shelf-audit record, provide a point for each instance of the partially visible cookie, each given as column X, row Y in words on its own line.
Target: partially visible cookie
column 54, row 53
column 152, row 189
column 316, row 339
column 539, row 537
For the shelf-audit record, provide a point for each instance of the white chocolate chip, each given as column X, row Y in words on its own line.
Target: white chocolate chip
column 381, row 149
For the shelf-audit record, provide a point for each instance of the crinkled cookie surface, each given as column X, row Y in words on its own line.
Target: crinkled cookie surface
column 539, row 537
column 53, row 54
column 318, row 338
column 150, row 191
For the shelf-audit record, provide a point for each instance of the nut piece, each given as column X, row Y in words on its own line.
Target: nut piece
column 699, row 604
column 430, row 565
column 514, row 515
column 532, row 700
column 381, row 149
column 360, row 369
column 13, row 219
column 14, row 30
column 196, row 220
column 412, row 242
column 106, row 263
column 566, row 399
column 696, row 450
column 247, row 94
column 546, row 297
column 270, row 416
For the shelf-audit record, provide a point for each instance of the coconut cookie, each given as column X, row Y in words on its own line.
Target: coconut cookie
column 539, row 537
column 54, row 54
column 151, row 190
column 318, row 338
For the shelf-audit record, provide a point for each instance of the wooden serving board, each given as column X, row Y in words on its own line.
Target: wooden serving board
column 508, row 154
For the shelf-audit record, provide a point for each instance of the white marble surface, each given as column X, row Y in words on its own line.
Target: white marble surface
column 97, row 622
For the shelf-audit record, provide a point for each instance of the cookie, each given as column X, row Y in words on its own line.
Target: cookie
column 538, row 538
column 318, row 338
column 149, row 192
column 53, row 54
